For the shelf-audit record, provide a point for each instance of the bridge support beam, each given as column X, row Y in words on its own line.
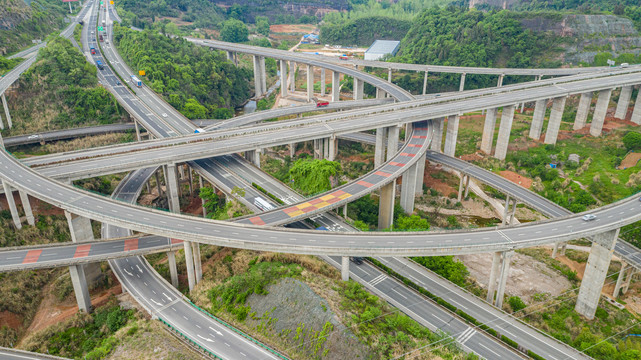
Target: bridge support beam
column 386, row 201
column 358, row 89
column 494, row 272
column 389, row 75
column 558, row 105
column 6, row 110
column 323, row 82
column 345, row 268
column 81, row 231
column 253, row 156
column 437, row 140
column 283, row 78
column 619, row 283
column 420, row 174
column 292, row 76
column 408, row 189
column 599, row 112
column 636, row 113
column 173, row 269
column 596, row 271
column 461, row 86
column 336, row 86
column 425, row 83
column 26, row 206
column 488, row 131
column 537, row 119
column 624, row 103
column 292, row 150
column 332, row 148
column 80, row 288
column 463, row 187
column 137, row 130
column 451, row 135
column 499, row 83
column 628, row 280
column 260, row 80
column 8, row 193
column 310, row 82
column 582, row 111
column 197, row 261
column 505, row 269
column 379, row 152
column 202, row 184
column 507, row 117
column 508, row 216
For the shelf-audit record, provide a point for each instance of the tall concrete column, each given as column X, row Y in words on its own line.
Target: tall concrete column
column 6, row 110
column 494, row 273
column 437, row 139
column 420, row 174
column 202, row 200
column 336, row 91
column 506, row 209
column 636, row 113
column 1, row 124
column 323, row 81
column 499, row 83
column 628, row 280
column 257, row 76
column 462, row 84
column 173, row 269
column 292, row 150
column 595, row 273
column 325, row 148
column 379, row 152
column 310, row 82
column 292, row 76
column 425, row 83
column 408, row 189
column 624, row 102
column 81, row 231
column 137, row 130
column 617, row 286
column 537, row 119
column 554, row 124
column 599, row 112
column 80, row 288
column 345, row 268
column 197, row 261
column 488, row 131
column 230, row 56
column 254, row 157
column 505, row 269
column 26, row 206
column 157, row 174
column 283, row 78
column 451, row 135
column 504, row 132
column 389, row 75
column 358, row 89
column 263, row 75
column 332, row 148
column 8, row 193
column 582, row 111
column 386, row 201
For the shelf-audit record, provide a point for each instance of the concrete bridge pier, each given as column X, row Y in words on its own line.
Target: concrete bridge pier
column 537, row 119
column 174, row 206
column 283, row 78
column 451, row 135
column 425, row 83
column 507, row 116
column 624, row 103
column 323, row 82
column 81, row 231
column 358, row 89
column 8, row 193
column 201, row 183
column 345, row 268
column 173, row 269
column 389, row 75
column 137, row 130
column 197, row 261
column 582, row 111
column 292, row 150
column 332, row 147
column 260, row 78
column 628, row 279
column 336, row 85
column 386, row 201
column 494, row 271
column 1, row 126
column 508, row 217
column 379, row 152
column 26, row 206
column 599, row 112
column 408, row 189
column 596, row 271
column 380, row 93
column 158, row 185
column 505, row 269
column 292, row 76
column 420, row 173
column 462, row 84
column 437, row 139
column 253, row 156
column 636, row 113
column 554, row 124
column 463, row 187
column 619, row 283
column 310, row 82
column 318, row 148
column 488, row 131
column 499, row 83
column 6, row 110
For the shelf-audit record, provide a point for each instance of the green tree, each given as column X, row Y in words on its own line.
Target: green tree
column 411, row 223
column 262, row 25
column 213, row 202
column 446, row 266
column 194, row 110
column 234, row 31
column 313, row 176
column 516, row 303
column 632, row 140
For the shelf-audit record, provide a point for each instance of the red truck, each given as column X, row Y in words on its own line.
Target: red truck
column 322, row 103
column 344, row 57
column 93, row 51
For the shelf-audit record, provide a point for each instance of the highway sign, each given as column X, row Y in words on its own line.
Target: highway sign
column 100, row 28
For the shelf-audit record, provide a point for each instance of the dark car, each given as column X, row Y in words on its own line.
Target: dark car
column 356, row 260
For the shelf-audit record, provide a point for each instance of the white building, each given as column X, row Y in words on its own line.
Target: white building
column 381, row 48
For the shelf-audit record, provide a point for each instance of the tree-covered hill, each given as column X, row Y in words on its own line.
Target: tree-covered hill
column 198, row 82
column 363, row 31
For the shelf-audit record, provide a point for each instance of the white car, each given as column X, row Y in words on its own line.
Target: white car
column 31, row 137
column 164, row 114
column 589, row 217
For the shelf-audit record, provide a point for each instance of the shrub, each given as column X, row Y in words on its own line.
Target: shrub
column 516, row 303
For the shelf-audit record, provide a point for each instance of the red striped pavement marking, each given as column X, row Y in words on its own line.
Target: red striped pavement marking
column 381, row 173
column 338, row 193
column 308, row 209
column 364, row 183
column 32, row 256
column 176, row 241
column 257, row 220
column 82, row 251
column 316, row 201
column 415, row 145
column 290, row 210
column 131, row 244
column 407, row 154
column 397, row 164
column 419, row 137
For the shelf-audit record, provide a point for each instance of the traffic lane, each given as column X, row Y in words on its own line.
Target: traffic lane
column 435, row 317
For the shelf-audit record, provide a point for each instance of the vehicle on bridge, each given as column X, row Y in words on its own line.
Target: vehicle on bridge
column 588, row 217
column 320, row 103
column 199, row 131
column 263, row 205
column 136, row 81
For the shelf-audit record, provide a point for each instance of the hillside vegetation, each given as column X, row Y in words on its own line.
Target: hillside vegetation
column 60, row 91
column 200, row 83
column 363, row 31
column 20, row 23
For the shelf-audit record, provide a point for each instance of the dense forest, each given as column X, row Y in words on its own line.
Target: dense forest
column 60, row 91
column 142, row 14
column 195, row 80
column 21, row 23
column 363, row 31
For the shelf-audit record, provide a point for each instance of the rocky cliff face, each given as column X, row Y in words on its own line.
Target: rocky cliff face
column 588, row 35
column 12, row 13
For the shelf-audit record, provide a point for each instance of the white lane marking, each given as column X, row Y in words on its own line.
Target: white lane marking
column 204, row 338
column 466, row 335
column 216, row 331
column 184, row 317
column 155, row 302
column 378, row 279
column 404, row 297
column 488, row 349
column 167, row 296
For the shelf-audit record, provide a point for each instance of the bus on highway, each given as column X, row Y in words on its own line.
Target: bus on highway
column 262, row 204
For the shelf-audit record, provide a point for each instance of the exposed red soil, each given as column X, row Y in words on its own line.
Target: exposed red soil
column 38, row 207
column 471, row 157
column 10, row 319
column 516, row 178
column 630, row 160
column 436, row 184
